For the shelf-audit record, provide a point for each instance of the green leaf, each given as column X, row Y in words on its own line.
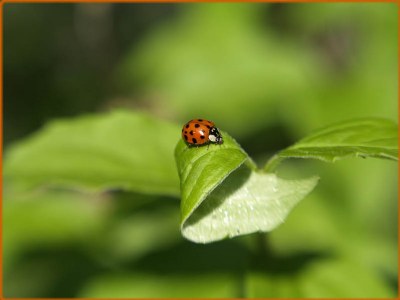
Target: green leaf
column 121, row 149
column 224, row 195
column 370, row 137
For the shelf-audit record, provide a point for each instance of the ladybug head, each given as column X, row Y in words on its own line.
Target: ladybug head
column 214, row 136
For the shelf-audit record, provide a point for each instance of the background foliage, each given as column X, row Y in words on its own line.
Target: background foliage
column 266, row 73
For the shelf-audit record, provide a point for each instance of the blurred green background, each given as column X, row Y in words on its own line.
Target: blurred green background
column 266, row 73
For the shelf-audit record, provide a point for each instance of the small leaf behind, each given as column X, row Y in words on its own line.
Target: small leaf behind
column 372, row 137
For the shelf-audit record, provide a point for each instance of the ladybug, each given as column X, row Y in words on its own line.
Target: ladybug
column 200, row 132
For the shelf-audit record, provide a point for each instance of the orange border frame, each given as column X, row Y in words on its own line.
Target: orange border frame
column 2, row 2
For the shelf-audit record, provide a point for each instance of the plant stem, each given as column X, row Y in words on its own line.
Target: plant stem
column 264, row 248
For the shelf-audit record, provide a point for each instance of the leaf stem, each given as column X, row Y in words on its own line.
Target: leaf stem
column 272, row 163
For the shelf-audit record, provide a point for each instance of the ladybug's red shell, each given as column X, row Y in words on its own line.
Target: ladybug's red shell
column 200, row 132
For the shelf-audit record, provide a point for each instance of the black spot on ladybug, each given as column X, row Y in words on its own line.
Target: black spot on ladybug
column 187, row 126
column 208, row 126
column 185, row 132
column 202, row 137
column 197, row 125
column 200, row 120
column 194, row 141
column 186, row 138
column 191, row 132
